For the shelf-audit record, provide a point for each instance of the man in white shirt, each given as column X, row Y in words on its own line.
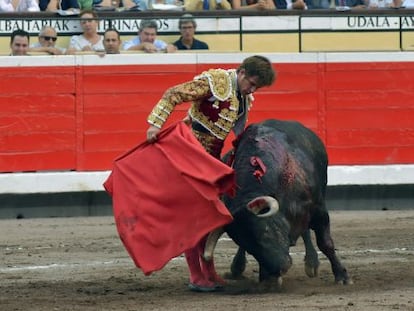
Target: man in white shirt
column 147, row 41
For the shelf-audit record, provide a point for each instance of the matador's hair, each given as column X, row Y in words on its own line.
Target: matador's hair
column 261, row 67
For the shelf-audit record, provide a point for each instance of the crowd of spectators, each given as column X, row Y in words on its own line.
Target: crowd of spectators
column 146, row 40
column 91, row 42
column 192, row 5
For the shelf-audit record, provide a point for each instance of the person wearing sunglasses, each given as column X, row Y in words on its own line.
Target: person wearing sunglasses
column 47, row 42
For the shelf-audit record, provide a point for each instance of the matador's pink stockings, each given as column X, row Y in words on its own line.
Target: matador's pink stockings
column 202, row 273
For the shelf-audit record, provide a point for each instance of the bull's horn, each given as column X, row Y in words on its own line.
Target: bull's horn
column 263, row 206
column 211, row 243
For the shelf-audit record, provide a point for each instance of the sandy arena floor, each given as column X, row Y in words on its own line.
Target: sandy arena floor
column 80, row 264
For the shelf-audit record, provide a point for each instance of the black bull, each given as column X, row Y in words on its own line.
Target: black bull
column 280, row 166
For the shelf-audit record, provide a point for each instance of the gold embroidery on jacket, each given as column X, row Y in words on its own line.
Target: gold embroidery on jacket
column 160, row 113
column 220, row 80
column 185, row 92
column 216, row 82
column 211, row 144
column 227, row 116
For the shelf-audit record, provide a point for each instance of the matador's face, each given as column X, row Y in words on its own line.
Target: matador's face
column 247, row 84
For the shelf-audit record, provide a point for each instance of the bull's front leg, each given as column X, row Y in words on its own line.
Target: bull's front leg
column 311, row 256
column 238, row 264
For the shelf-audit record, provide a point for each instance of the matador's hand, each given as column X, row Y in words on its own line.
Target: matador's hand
column 152, row 133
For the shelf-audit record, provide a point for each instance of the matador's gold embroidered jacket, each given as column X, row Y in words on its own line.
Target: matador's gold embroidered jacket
column 214, row 102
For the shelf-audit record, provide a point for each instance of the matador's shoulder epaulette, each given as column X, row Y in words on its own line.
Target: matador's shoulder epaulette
column 220, row 81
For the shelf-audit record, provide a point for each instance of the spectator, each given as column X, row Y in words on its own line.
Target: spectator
column 293, row 4
column 131, row 4
column 152, row 4
column 187, row 26
column 374, row 4
column 409, row 4
column 47, row 41
column 320, row 4
column 106, row 3
column 55, row 5
column 206, row 5
column 147, row 40
column 89, row 40
column 85, row 4
column 91, row 4
column 253, row 5
column 19, row 42
column 19, row 6
column 112, row 41
column 361, row 4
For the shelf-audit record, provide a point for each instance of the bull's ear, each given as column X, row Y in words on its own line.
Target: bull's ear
column 263, row 206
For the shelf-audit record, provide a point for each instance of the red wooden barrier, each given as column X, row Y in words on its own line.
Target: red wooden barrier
column 81, row 117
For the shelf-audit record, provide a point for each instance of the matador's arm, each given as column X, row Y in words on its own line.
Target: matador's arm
column 185, row 92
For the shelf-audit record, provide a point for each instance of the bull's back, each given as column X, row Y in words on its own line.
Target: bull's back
column 301, row 143
column 300, row 137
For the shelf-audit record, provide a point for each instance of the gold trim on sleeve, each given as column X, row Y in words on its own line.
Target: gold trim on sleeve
column 160, row 113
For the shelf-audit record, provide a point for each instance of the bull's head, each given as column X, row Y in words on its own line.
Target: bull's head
column 263, row 206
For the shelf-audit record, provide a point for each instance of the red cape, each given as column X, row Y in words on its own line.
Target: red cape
column 166, row 196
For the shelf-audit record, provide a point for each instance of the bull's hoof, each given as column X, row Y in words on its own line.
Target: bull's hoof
column 345, row 281
column 238, row 266
column 342, row 277
column 204, row 289
column 311, row 271
column 231, row 276
column 273, row 283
